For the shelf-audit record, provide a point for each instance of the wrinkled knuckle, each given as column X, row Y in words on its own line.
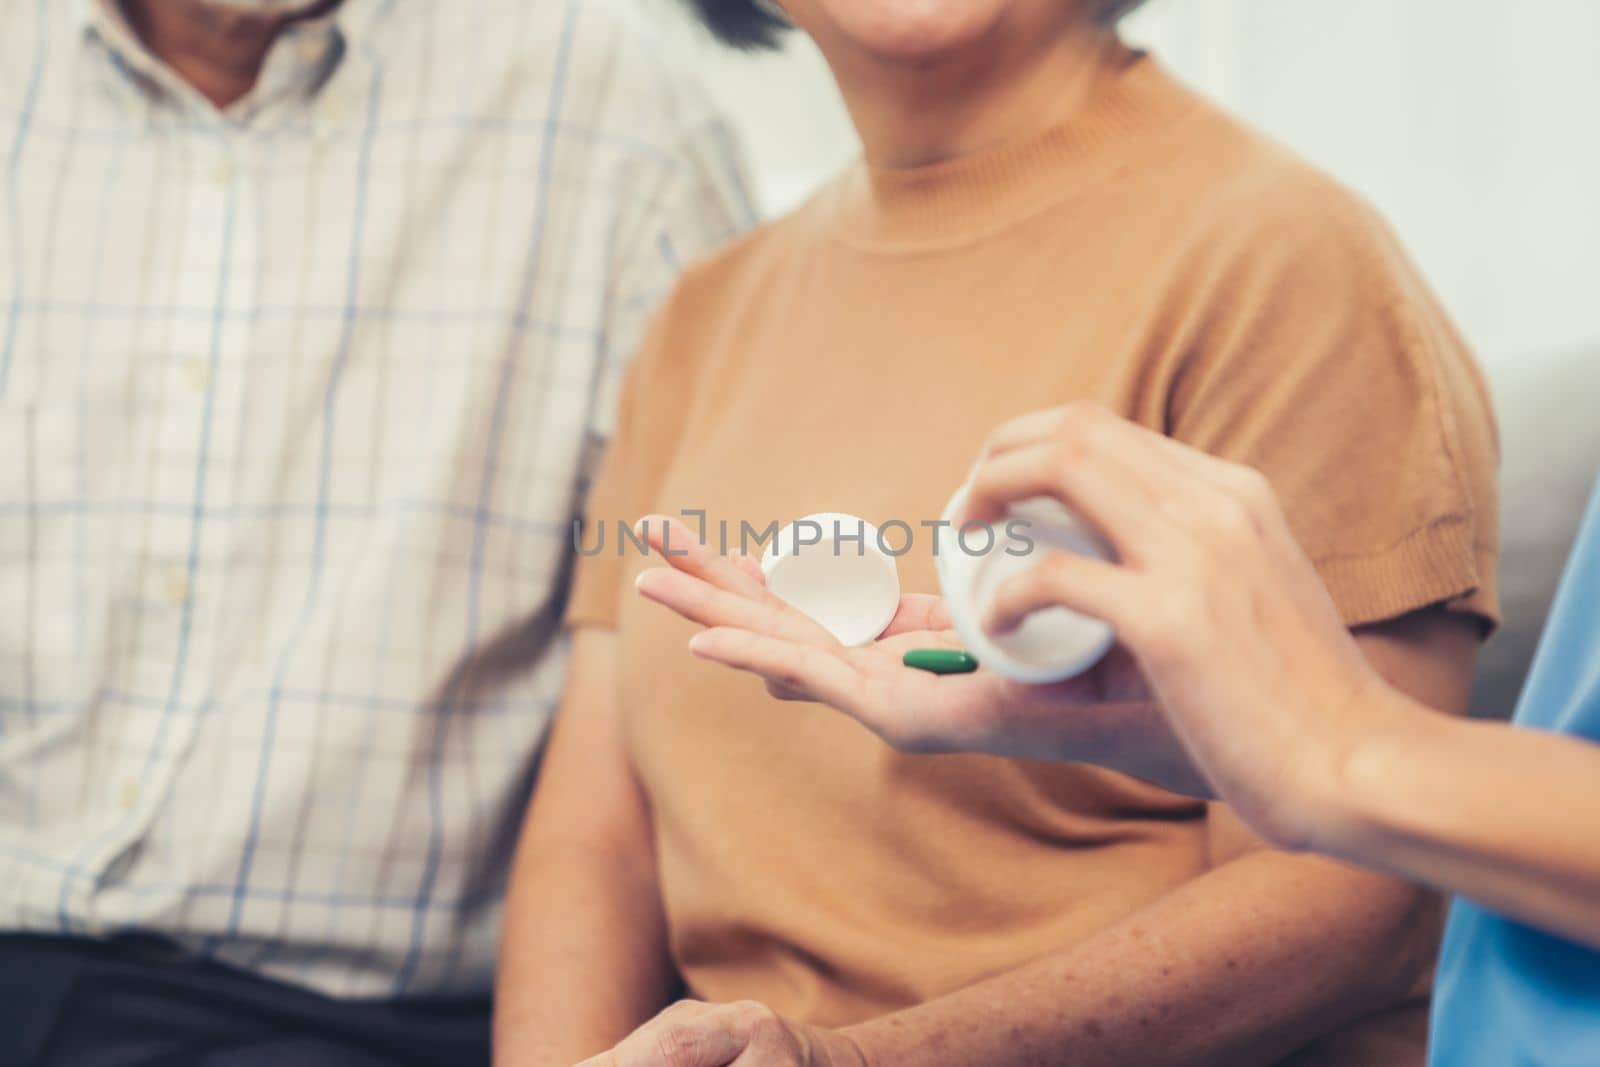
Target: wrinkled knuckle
column 767, row 1030
column 678, row 1046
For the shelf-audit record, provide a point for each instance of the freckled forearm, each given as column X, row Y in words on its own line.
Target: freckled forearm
column 1217, row 972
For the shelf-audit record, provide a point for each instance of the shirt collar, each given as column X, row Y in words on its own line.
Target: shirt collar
column 357, row 19
column 349, row 25
column 103, row 20
column 354, row 18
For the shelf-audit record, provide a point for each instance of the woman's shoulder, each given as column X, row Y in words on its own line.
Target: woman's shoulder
column 1277, row 243
column 1246, row 194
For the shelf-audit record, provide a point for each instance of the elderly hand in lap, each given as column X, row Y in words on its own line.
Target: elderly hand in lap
column 743, row 1034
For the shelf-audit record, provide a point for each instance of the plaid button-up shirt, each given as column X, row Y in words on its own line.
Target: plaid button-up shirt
column 295, row 404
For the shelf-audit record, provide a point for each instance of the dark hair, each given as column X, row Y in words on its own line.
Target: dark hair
column 760, row 23
column 742, row 23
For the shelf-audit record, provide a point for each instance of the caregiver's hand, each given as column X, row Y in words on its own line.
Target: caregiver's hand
column 744, row 1034
column 1104, row 717
column 1227, row 619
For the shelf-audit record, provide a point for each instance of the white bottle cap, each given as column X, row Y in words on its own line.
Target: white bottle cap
column 832, row 567
column 1051, row 645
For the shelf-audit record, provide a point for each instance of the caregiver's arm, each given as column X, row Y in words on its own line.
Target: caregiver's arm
column 1246, row 963
column 1235, row 631
column 583, row 957
column 1505, row 816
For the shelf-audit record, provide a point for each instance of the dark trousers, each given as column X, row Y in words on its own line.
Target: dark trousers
column 137, row 1002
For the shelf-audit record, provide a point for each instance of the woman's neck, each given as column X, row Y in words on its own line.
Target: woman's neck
column 915, row 114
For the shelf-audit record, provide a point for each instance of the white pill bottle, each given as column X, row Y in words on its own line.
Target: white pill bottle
column 974, row 560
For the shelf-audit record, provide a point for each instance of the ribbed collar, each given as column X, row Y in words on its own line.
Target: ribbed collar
column 1131, row 105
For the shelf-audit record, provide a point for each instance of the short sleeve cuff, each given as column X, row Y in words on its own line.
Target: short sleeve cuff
column 1438, row 564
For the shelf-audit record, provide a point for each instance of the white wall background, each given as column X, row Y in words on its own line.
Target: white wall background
column 1473, row 124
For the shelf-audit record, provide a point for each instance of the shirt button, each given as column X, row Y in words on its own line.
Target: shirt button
column 176, row 587
column 221, row 171
column 128, row 795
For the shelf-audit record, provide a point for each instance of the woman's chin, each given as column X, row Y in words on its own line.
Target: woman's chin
column 910, row 31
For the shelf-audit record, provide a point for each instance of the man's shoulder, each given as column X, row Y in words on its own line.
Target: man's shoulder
column 585, row 67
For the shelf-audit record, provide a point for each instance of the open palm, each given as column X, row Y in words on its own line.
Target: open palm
column 1104, row 716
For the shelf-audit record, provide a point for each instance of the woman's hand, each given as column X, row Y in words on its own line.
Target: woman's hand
column 1104, row 717
column 1259, row 689
column 693, row 1034
column 1224, row 614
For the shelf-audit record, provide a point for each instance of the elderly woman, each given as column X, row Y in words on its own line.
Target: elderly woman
column 1041, row 216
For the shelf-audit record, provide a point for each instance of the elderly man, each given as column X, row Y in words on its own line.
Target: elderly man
column 310, row 315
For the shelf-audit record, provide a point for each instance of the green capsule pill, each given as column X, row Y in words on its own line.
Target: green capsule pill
column 941, row 660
